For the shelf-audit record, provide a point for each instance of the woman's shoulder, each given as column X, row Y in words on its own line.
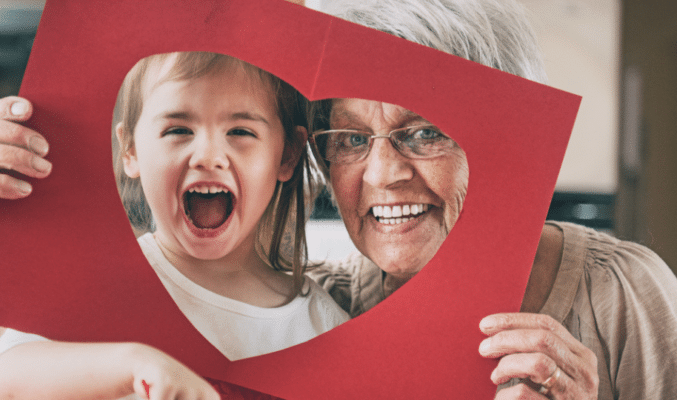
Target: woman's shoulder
column 601, row 253
column 620, row 299
column 350, row 281
column 616, row 287
column 339, row 273
column 351, row 264
column 570, row 254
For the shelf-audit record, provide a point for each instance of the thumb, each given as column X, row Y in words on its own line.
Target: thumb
column 14, row 108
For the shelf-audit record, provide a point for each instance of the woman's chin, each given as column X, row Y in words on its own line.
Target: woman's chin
column 399, row 270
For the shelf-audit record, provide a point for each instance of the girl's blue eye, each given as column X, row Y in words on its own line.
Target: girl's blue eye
column 179, row 130
column 241, row 132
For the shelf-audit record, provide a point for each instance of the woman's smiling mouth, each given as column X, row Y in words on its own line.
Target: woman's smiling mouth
column 391, row 215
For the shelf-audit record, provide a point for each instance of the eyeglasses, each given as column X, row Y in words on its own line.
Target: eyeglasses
column 345, row 146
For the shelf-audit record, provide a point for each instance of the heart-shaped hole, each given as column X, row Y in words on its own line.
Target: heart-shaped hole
column 204, row 149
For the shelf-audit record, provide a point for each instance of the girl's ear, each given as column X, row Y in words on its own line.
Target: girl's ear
column 128, row 156
column 292, row 154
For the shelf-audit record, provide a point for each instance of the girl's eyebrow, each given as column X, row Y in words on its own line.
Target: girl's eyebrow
column 248, row 116
column 182, row 115
column 187, row 116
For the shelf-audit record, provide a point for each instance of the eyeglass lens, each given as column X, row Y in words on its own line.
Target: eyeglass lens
column 346, row 146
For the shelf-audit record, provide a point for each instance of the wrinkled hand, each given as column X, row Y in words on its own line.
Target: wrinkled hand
column 22, row 150
column 158, row 376
column 533, row 347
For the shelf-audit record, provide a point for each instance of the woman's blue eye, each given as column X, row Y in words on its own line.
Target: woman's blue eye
column 422, row 136
column 426, row 134
column 357, row 140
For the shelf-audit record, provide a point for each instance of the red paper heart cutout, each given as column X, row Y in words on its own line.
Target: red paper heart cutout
column 72, row 270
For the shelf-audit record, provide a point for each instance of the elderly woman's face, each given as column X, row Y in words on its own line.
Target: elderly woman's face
column 386, row 183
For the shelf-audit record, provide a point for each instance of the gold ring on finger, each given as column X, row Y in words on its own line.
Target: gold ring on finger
column 550, row 382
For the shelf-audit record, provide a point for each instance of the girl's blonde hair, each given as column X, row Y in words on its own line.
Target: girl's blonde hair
column 282, row 227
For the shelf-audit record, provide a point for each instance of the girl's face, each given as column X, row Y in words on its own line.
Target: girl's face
column 209, row 152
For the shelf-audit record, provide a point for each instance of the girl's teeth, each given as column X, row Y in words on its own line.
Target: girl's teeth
column 207, row 189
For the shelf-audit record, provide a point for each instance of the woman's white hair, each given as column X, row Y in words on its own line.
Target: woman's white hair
column 495, row 33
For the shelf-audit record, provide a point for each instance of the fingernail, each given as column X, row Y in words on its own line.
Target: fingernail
column 41, row 165
column 487, row 323
column 38, row 145
column 492, row 377
column 19, row 108
column 24, row 187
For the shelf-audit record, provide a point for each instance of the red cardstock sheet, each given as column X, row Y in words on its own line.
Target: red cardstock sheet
column 70, row 265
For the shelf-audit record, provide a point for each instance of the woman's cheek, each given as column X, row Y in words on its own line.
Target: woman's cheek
column 451, row 184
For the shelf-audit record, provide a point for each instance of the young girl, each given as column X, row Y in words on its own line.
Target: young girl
column 217, row 148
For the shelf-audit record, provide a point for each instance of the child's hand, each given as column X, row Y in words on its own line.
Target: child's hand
column 158, row 376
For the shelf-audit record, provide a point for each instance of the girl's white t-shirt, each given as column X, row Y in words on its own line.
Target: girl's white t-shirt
column 238, row 330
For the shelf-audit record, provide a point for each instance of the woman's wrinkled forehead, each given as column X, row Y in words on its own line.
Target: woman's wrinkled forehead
column 369, row 112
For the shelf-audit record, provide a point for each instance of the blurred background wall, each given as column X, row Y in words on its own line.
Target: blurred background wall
column 620, row 170
column 647, row 189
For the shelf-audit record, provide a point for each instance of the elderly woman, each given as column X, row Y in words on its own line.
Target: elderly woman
column 599, row 315
column 607, row 308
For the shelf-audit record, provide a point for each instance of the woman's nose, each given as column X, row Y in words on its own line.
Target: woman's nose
column 385, row 166
column 208, row 154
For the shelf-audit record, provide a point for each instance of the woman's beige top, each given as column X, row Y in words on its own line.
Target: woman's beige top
column 618, row 298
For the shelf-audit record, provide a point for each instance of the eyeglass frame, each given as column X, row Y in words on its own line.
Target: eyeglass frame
column 371, row 137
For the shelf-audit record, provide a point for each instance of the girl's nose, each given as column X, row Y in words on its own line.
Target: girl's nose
column 208, row 154
column 385, row 166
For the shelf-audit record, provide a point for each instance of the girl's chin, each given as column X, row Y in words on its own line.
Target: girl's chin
column 207, row 254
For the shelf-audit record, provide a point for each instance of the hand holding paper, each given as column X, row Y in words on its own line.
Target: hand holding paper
column 22, row 150
column 536, row 348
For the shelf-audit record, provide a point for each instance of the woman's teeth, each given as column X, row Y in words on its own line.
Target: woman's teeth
column 398, row 214
column 206, row 189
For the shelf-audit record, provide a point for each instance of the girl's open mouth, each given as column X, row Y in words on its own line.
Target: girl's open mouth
column 207, row 207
